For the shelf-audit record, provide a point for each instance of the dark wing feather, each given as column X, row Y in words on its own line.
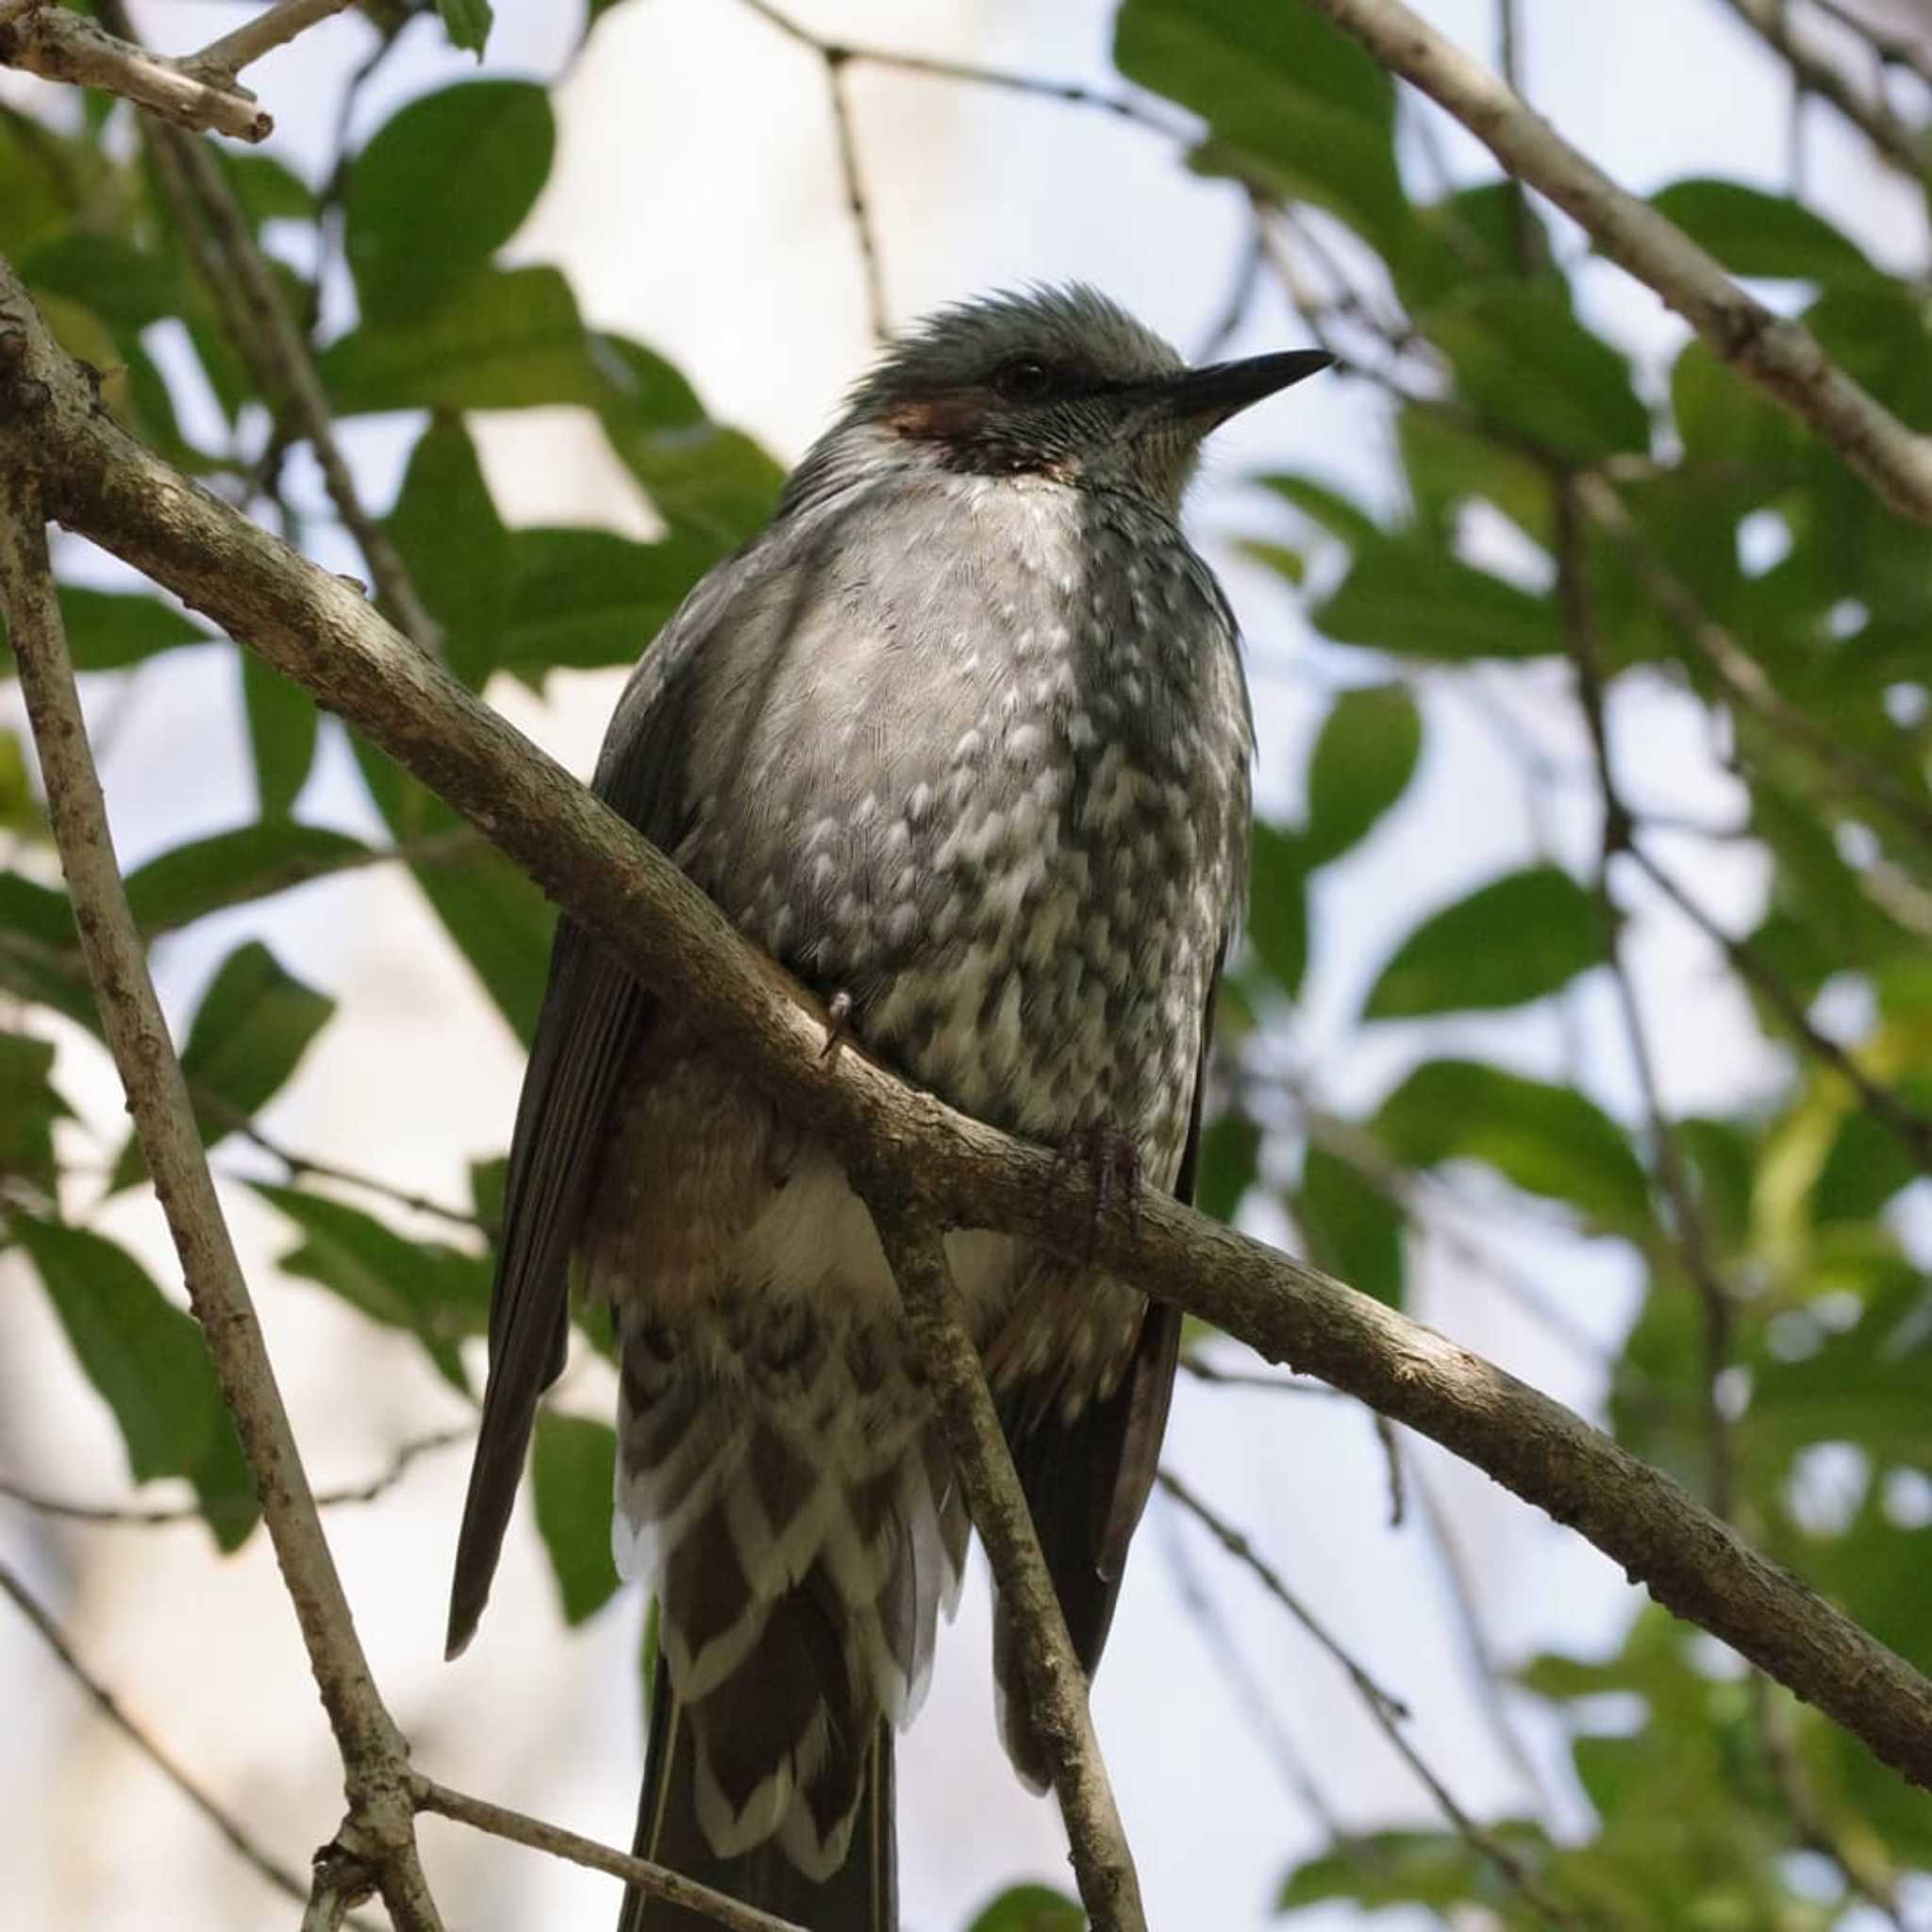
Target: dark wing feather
column 593, row 1018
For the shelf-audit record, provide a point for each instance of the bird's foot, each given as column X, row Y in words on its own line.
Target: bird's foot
column 837, row 1022
column 1108, row 1157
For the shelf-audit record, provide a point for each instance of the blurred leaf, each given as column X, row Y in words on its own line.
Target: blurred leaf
column 467, row 23
column 455, row 546
column 573, row 1472
column 1231, row 1148
column 478, row 154
column 1030, row 1908
column 109, row 630
column 40, row 959
column 1362, row 762
column 499, row 919
column 1754, row 233
column 1418, row 601
column 127, row 285
column 21, row 812
column 148, row 1362
column 581, row 598
column 1449, row 463
column 1525, row 363
column 227, row 868
column 282, row 728
column 498, row 339
column 1279, row 905
column 1546, row 1139
column 1514, row 940
column 268, row 188
column 1290, row 101
column 1354, row 1231
column 1323, row 506
column 29, row 1106
column 705, row 480
column 249, row 1033
column 487, row 1181
column 435, row 1293
column 1421, row 1868
column 46, row 179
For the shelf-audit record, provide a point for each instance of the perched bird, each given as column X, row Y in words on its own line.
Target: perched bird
column 962, row 738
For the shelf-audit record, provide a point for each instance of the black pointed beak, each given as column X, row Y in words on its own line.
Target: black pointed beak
column 1208, row 396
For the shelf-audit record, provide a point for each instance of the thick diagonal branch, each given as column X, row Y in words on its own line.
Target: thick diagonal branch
column 373, row 1753
column 317, row 630
column 1781, row 357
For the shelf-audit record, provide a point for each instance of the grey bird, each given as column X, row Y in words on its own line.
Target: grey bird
column 961, row 737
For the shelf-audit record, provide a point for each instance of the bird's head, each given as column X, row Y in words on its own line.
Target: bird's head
column 1059, row 383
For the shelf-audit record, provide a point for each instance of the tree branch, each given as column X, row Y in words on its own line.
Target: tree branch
column 1781, row 356
column 373, row 1753
column 102, row 483
column 1109, row 1887
column 660, row 1881
column 226, row 56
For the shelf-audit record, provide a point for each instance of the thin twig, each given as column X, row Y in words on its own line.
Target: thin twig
column 147, row 1515
column 1781, row 356
column 374, row 1753
column 853, row 175
column 156, row 1754
column 1672, row 1175
column 59, row 44
column 1388, row 1713
column 1893, row 49
column 1241, row 295
column 1910, row 1129
column 226, row 56
column 1203, row 1370
column 1816, row 73
column 1057, row 1710
column 103, row 484
column 657, row 1881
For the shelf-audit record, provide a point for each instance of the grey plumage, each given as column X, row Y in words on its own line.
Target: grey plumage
column 962, row 735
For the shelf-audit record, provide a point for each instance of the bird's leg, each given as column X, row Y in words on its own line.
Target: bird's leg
column 1110, row 1162
column 837, row 1022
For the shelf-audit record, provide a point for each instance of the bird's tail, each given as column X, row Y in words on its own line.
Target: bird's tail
column 860, row 1897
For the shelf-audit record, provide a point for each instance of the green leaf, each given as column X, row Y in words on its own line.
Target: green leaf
column 435, row 1293
column 500, row 921
column 228, row 869
column 1230, row 1150
column 109, row 630
column 1279, row 905
column 127, row 285
column 1328, row 508
column 442, row 185
column 455, row 546
column 1354, row 1231
column 149, row 1363
column 1525, row 363
column 1421, row 1868
column 499, row 339
column 1546, row 1139
column 1030, row 1908
column 1754, row 233
column 39, row 952
column 1418, row 601
column 574, row 1471
column 584, row 598
column 249, row 1033
column 1292, row 102
column 1514, row 940
column 21, row 811
column 1449, row 464
column 282, row 727
column 1362, row 762
column 29, row 1106
column 268, row 188
column 467, row 22
column 705, row 480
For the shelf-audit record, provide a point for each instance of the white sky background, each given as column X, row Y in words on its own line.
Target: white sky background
column 695, row 204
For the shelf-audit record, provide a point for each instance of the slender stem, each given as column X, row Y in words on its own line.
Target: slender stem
column 853, row 175
column 657, row 1881
column 374, row 1753
column 1109, row 1887
column 226, row 56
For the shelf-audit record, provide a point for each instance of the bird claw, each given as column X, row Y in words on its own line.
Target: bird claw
column 1111, row 1163
column 837, row 1022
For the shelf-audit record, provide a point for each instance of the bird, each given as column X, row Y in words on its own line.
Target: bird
column 962, row 738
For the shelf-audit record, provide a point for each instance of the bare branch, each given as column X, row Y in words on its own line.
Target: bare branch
column 225, row 57
column 1389, row 1712
column 1781, row 356
column 854, row 178
column 37, row 1613
column 59, row 44
column 102, row 483
column 658, row 1881
column 1913, row 53
column 1109, row 1888
column 374, row 1753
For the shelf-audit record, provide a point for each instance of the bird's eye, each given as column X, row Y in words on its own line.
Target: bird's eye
column 1024, row 380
